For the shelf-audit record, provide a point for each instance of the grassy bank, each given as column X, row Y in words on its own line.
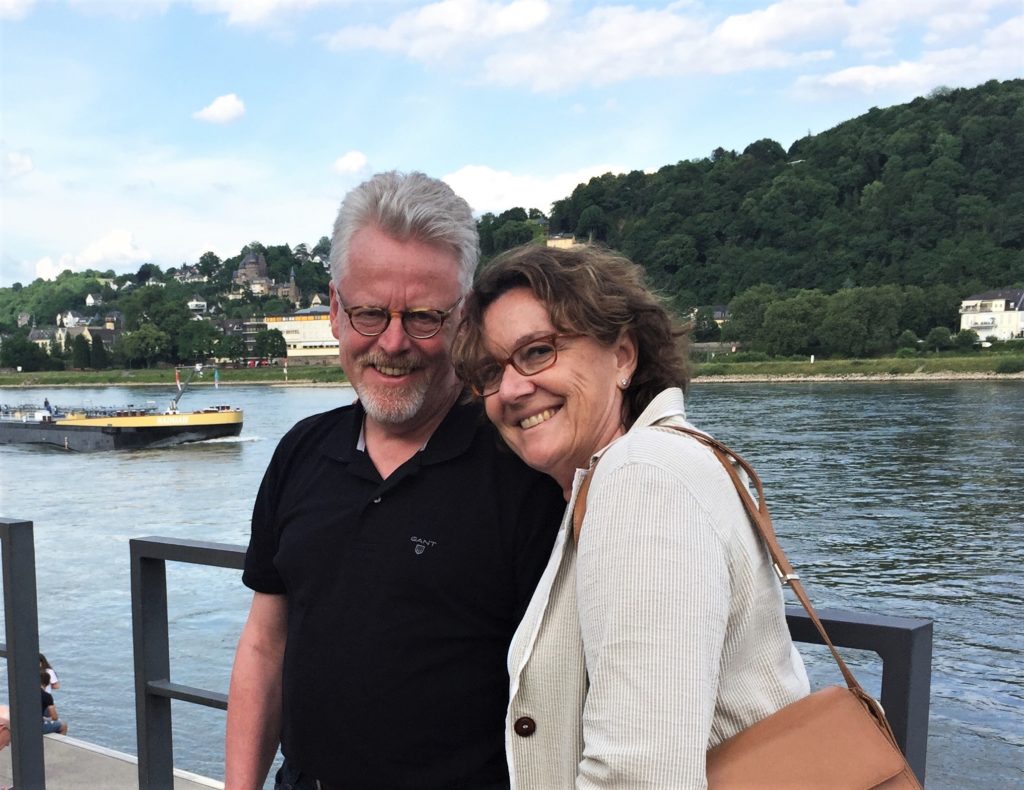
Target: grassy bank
column 937, row 366
column 973, row 366
column 165, row 377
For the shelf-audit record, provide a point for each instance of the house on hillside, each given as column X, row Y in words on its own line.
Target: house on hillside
column 252, row 275
column 998, row 314
column 197, row 305
column 43, row 337
column 93, row 301
column 71, row 318
column 64, row 336
column 563, row 241
column 190, row 274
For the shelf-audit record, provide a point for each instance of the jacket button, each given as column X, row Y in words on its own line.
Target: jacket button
column 525, row 726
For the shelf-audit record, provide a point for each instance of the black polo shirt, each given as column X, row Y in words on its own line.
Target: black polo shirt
column 403, row 595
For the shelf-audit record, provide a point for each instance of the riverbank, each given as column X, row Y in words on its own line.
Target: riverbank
column 931, row 367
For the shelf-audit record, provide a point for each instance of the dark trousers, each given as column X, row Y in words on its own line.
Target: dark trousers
column 290, row 778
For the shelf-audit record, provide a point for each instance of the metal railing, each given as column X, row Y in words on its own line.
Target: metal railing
column 22, row 652
column 903, row 644
column 153, row 687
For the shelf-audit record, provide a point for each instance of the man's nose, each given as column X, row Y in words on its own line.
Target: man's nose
column 394, row 339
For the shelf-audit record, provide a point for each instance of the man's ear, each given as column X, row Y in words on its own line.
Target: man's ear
column 335, row 311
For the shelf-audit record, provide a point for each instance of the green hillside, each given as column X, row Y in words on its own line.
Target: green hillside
column 927, row 193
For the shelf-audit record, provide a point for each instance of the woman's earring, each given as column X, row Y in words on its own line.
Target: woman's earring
column 624, row 383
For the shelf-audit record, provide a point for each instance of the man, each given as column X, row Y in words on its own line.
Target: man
column 395, row 543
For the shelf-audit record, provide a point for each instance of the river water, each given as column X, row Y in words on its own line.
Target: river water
column 896, row 498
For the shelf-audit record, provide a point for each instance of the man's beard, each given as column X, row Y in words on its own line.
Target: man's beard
column 391, row 405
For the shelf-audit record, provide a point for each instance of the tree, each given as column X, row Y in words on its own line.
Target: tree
column 939, row 339
column 80, row 356
column 746, row 312
column 512, row 234
column 907, row 339
column 209, row 264
column 593, row 223
column 230, row 347
column 146, row 344
column 147, row 272
column 790, row 325
column 322, row 249
column 99, row 359
column 965, row 340
column 18, row 351
column 705, row 330
column 270, row 344
column 197, row 341
column 860, row 322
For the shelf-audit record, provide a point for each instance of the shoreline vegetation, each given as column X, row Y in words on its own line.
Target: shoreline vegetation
column 929, row 368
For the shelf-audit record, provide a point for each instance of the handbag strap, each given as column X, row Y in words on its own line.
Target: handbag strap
column 758, row 512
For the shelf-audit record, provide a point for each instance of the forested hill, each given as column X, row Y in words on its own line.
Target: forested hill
column 927, row 193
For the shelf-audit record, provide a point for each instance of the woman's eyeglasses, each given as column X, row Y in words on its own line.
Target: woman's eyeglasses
column 529, row 359
column 419, row 324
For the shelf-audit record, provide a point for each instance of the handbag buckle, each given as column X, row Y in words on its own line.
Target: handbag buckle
column 785, row 578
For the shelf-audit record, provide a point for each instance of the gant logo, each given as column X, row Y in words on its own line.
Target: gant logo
column 422, row 544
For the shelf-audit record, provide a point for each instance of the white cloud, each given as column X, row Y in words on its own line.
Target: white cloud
column 15, row 9
column 16, row 164
column 432, row 31
column 487, row 189
column 549, row 47
column 350, row 162
column 223, row 109
column 255, row 12
column 115, row 250
column 996, row 56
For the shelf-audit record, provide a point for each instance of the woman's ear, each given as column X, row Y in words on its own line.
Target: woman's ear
column 625, row 355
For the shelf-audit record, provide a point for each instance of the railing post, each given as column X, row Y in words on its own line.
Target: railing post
column 22, row 651
column 906, row 692
column 152, row 663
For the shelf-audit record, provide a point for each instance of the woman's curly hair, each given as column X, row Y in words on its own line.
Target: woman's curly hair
column 588, row 290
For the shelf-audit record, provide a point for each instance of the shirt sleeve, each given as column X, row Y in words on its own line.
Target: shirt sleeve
column 260, row 574
column 653, row 595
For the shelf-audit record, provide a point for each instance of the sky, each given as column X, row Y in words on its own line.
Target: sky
column 136, row 131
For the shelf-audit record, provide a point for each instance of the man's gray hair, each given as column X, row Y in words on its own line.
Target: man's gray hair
column 408, row 206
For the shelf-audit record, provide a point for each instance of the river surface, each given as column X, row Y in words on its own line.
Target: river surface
column 897, row 498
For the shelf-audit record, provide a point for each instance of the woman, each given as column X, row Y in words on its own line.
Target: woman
column 45, row 666
column 663, row 631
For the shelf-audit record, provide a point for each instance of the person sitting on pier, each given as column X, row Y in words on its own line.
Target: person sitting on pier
column 47, row 667
column 51, row 721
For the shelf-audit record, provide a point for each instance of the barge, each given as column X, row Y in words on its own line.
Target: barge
column 116, row 428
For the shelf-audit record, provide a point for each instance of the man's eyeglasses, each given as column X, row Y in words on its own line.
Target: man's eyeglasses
column 420, row 324
column 529, row 359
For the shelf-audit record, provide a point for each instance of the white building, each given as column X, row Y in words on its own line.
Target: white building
column 998, row 314
column 307, row 333
column 197, row 305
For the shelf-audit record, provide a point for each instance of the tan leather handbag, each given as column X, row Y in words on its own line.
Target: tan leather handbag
column 837, row 738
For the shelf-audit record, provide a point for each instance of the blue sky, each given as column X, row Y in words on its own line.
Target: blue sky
column 155, row 130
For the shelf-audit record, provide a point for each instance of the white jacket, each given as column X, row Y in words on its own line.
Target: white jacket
column 663, row 635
